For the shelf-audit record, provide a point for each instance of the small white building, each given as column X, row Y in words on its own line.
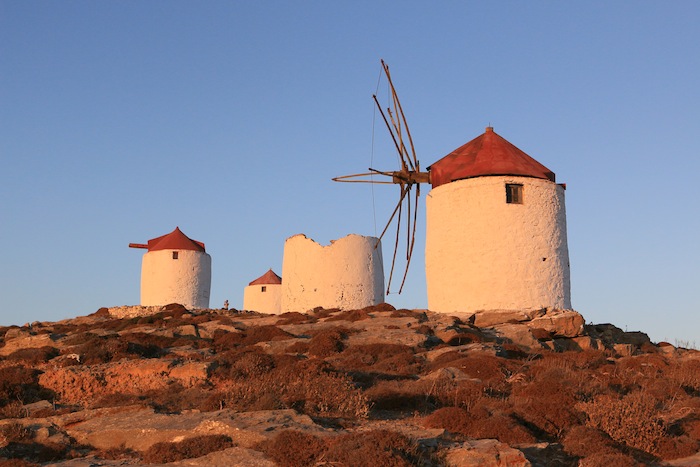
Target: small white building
column 496, row 231
column 175, row 269
column 264, row 294
column 347, row 274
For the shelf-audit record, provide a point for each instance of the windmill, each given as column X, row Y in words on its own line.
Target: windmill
column 408, row 177
column 496, row 222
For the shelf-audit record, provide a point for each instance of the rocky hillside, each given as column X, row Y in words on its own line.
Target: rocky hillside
column 372, row 387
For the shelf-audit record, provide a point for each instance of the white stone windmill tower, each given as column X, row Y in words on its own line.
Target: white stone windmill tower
column 176, row 269
column 496, row 223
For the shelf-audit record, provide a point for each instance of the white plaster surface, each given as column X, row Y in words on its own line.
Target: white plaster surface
column 269, row 301
column 485, row 254
column 347, row 274
column 186, row 280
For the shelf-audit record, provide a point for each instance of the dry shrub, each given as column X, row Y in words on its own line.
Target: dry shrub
column 34, row 356
column 265, row 333
column 609, row 459
column 374, row 448
column 17, row 463
column 686, row 374
column 396, row 359
column 15, row 433
column 399, row 395
column 446, row 392
column 380, row 307
column 95, row 349
column 226, row 340
column 549, row 402
column 488, row 368
column 299, row 347
column 632, row 420
column 351, row 315
column 327, row 342
column 21, row 384
column 291, row 448
column 479, row 422
column 584, row 441
column 33, row 452
column 257, row 381
column 294, row 317
column 321, row 313
column 198, row 446
column 677, row 447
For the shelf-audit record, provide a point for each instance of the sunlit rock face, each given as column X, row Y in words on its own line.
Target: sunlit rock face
column 347, row 274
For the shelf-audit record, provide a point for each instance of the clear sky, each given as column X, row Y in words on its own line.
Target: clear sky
column 121, row 120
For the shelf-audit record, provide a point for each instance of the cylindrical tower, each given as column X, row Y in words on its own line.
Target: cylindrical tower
column 176, row 269
column 347, row 274
column 496, row 231
column 264, row 294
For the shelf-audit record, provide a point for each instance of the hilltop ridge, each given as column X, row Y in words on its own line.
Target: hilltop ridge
column 376, row 386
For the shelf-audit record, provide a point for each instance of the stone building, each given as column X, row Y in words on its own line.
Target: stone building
column 175, row 269
column 496, row 231
column 264, row 294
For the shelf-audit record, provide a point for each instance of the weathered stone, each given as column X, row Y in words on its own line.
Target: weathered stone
column 488, row 318
column 26, row 342
column 560, row 323
column 624, row 350
column 517, row 334
column 485, row 453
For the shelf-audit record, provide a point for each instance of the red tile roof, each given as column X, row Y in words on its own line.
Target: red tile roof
column 175, row 240
column 268, row 278
column 488, row 154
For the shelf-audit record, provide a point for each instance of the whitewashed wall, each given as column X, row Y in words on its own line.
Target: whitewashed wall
column 347, row 274
column 269, row 301
column 186, row 280
column 485, row 254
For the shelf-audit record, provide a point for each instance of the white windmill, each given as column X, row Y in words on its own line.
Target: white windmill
column 496, row 222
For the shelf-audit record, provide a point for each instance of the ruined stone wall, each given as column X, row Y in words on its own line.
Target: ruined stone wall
column 347, row 274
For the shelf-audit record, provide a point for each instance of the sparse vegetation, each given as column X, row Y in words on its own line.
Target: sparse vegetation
column 600, row 408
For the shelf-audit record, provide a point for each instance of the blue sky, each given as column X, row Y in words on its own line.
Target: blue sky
column 122, row 120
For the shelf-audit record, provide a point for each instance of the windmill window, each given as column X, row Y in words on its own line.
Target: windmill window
column 514, row 193
column 174, row 254
column 263, row 289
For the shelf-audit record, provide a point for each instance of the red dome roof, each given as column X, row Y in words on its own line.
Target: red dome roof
column 175, row 240
column 268, row 278
column 488, row 154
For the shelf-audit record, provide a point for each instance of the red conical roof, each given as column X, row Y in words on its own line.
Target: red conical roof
column 175, row 240
column 268, row 278
column 488, row 154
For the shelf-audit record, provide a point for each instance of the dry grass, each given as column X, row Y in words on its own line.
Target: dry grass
column 198, row 446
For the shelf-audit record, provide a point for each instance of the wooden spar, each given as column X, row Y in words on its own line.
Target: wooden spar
column 393, row 137
column 400, row 110
column 138, row 245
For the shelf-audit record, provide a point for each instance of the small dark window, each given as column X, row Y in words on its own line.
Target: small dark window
column 514, row 193
column 263, row 288
column 174, row 254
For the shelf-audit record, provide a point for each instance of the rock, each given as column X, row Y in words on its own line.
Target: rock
column 624, row 350
column 488, row 318
column 26, row 342
column 560, row 323
column 141, row 429
column 517, row 334
column 485, row 453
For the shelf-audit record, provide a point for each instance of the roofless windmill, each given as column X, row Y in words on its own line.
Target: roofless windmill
column 496, row 222
column 408, row 177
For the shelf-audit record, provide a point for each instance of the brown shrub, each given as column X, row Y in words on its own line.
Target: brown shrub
column 265, row 333
column 327, row 342
column 299, row 347
column 33, row 452
column 479, row 423
column 584, row 441
column 198, row 446
column 549, row 402
column 16, row 433
column 21, row 384
column 399, row 395
column 396, row 359
column 17, row 463
column 351, row 315
column 632, row 420
column 677, row 447
column 609, row 459
column 380, row 307
column 294, row 317
column 34, row 356
column 374, row 448
column 486, row 367
column 291, row 448
column 226, row 340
